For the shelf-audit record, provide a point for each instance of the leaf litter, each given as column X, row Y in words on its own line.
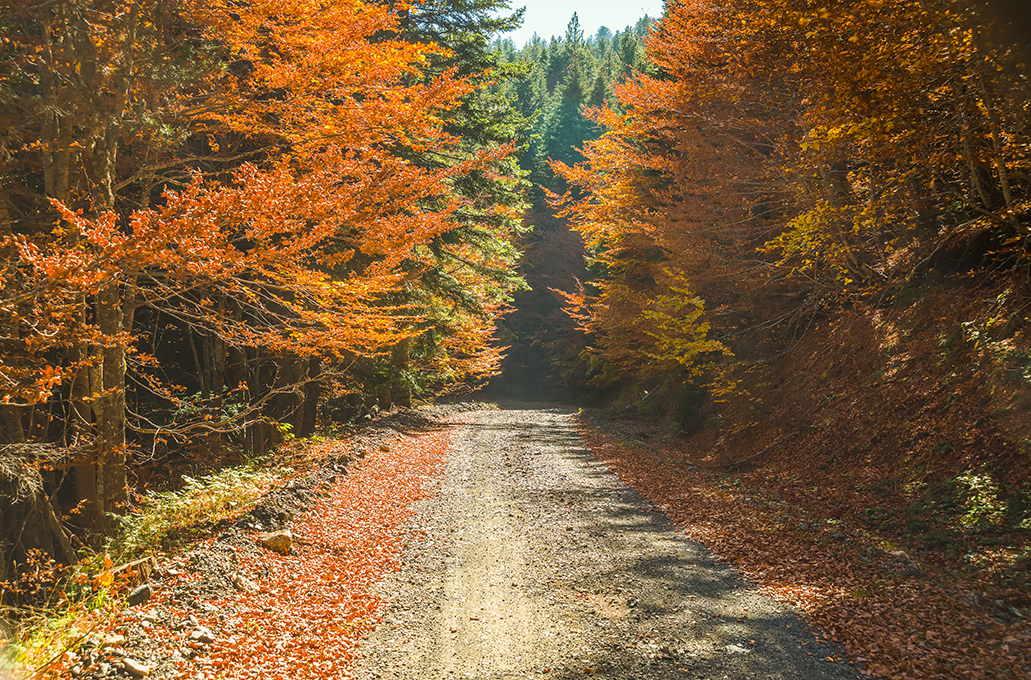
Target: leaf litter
column 896, row 617
column 230, row 608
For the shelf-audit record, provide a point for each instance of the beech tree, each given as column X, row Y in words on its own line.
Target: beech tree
column 245, row 177
column 785, row 152
column 80, row 78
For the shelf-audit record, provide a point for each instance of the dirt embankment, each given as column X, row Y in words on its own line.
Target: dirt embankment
column 876, row 471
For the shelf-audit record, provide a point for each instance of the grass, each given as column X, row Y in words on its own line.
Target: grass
column 68, row 604
column 168, row 519
column 41, row 636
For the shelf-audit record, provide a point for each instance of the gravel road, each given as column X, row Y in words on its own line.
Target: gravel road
column 533, row 560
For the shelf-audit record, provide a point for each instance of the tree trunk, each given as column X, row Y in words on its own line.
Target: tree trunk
column 401, row 356
column 999, row 157
column 255, row 436
column 109, row 408
column 312, row 394
column 973, row 167
column 838, row 194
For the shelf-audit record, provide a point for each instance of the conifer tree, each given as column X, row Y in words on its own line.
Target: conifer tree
column 571, row 74
column 481, row 248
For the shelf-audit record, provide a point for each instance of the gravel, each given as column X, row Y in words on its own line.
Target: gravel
column 532, row 560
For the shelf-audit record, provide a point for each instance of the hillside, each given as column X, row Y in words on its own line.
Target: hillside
column 807, row 251
column 908, row 418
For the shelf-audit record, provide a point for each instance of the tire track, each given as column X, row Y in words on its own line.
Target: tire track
column 533, row 560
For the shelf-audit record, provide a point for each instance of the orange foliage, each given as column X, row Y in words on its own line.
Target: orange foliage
column 786, row 151
column 331, row 218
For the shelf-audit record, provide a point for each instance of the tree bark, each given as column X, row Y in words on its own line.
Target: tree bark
column 109, row 408
column 401, row 356
column 312, row 394
column 998, row 155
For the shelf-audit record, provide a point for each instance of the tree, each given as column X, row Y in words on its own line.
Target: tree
column 270, row 206
column 781, row 153
column 470, row 282
column 568, row 128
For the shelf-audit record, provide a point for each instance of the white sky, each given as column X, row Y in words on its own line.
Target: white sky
column 550, row 17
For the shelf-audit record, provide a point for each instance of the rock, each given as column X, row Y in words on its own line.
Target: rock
column 202, row 634
column 136, row 668
column 971, row 600
column 278, row 541
column 905, row 563
column 113, row 640
column 139, row 595
column 738, row 649
column 245, row 584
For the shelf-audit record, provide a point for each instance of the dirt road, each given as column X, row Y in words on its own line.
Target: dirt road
column 532, row 560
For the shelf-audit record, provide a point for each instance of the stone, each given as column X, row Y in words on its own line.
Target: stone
column 277, row 541
column 245, row 584
column 970, row 599
column 202, row 634
column 139, row 595
column 136, row 668
column 113, row 640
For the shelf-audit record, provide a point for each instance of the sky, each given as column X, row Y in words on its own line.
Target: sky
column 550, row 17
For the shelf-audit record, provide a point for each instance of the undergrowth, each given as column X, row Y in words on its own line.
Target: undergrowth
column 165, row 520
column 32, row 639
column 56, row 607
column 971, row 520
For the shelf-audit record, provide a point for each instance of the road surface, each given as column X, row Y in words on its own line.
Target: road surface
column 532, row 560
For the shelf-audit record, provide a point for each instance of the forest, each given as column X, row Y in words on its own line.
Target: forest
column 213, row 232
column 786, row 229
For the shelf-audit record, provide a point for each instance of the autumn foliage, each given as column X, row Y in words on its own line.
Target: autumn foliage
column 836, row 196
column 220, row 219
column 787, row 153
